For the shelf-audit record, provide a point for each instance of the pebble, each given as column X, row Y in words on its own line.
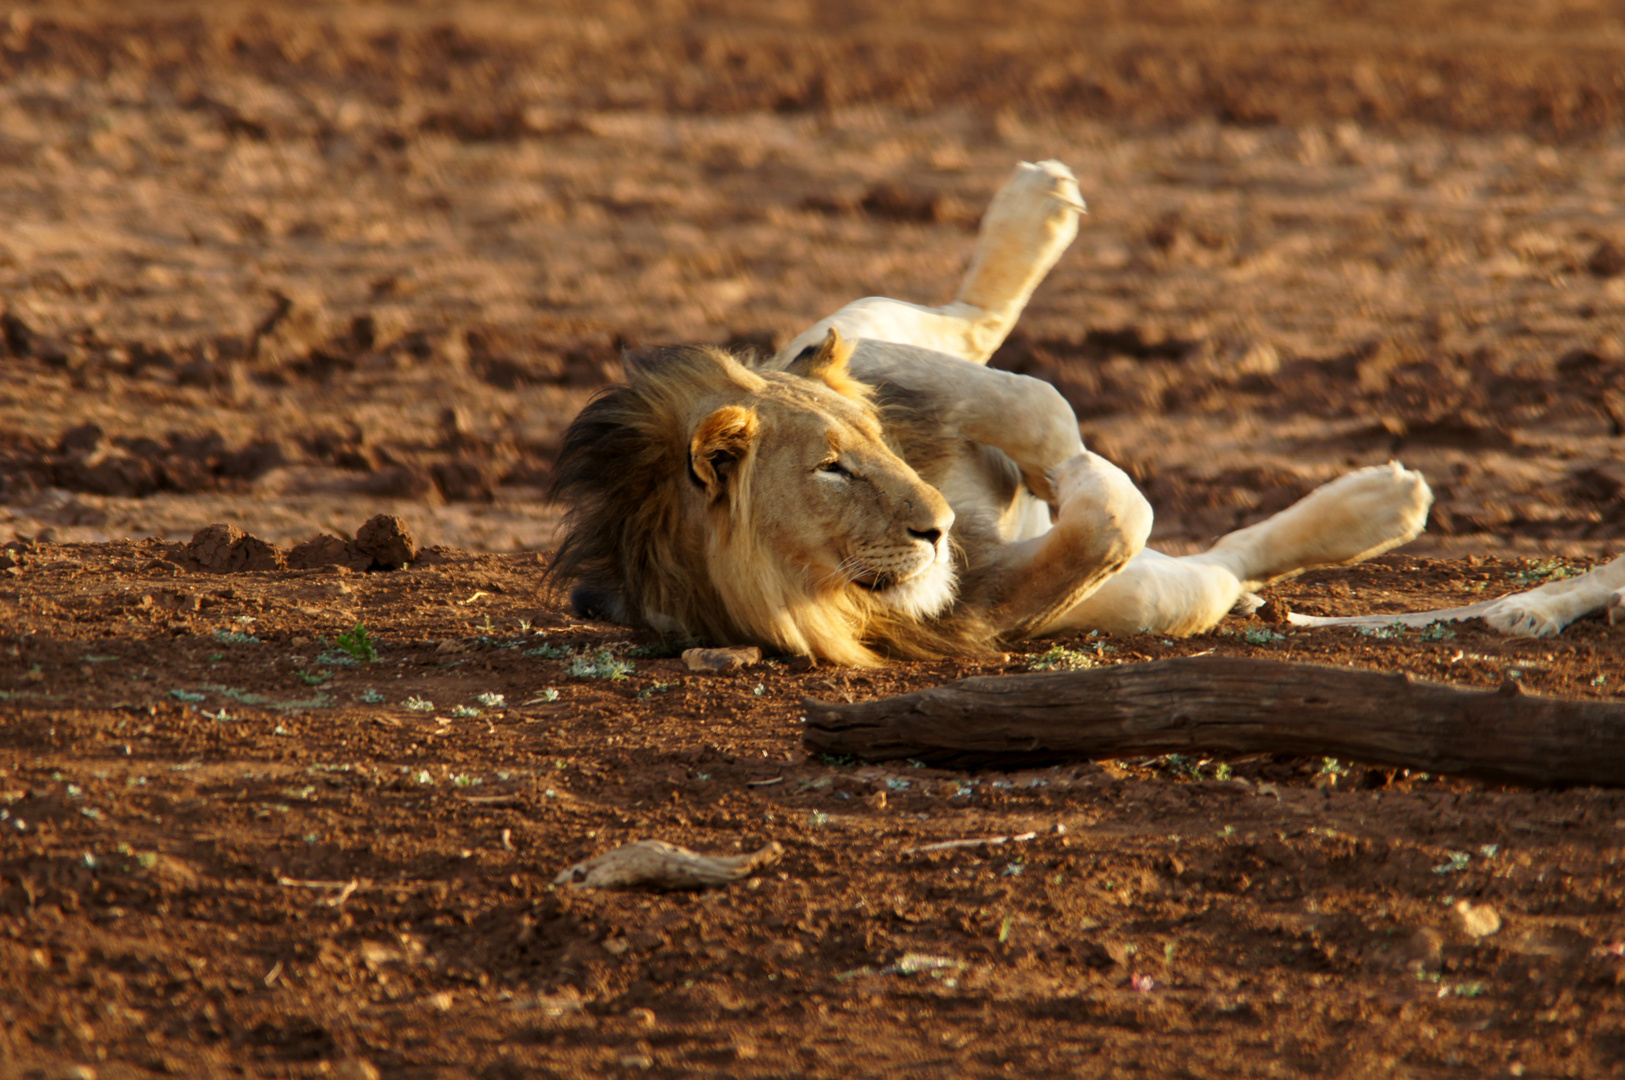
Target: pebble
column 716, row 660
column 1475, row 920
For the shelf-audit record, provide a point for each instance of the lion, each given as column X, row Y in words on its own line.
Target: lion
column 874, row 490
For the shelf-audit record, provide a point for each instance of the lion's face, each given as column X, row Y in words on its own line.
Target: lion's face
column 809, row 468
column 736, row 502
column 832, row 498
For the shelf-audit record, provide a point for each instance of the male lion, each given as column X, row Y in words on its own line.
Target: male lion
column 894, row 496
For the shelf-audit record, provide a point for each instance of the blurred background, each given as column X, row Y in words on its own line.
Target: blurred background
column 288, row 265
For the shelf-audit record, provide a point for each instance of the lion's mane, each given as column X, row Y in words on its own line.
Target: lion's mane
column 643, row 555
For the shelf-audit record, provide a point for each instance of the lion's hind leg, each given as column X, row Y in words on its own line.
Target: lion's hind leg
column 1349, row 519
column 1029, row 223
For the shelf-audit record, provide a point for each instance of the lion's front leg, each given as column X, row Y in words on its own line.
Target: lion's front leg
column 1102, row 522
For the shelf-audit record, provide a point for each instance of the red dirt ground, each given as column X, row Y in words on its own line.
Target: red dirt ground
column 289, row 267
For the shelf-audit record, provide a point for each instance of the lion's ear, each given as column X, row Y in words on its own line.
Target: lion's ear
column 827, row 362
column 720, row 443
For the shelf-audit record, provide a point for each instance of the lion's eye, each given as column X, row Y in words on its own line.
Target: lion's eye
column 835, row 468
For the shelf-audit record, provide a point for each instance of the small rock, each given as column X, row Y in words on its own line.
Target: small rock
column 355, row 1069
column 1475, row 920
column 1424, row 950
column 327, row 550
column 210, row 547
column 717, row 660
column 1274, row 613
column 84, row 440
column 222, row 549
column 1607, row 261
column 654, row 864
column 387, row 539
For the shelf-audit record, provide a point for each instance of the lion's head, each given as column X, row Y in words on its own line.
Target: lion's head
column 721, row 499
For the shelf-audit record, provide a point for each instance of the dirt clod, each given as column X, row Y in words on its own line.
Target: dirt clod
column 388, row 540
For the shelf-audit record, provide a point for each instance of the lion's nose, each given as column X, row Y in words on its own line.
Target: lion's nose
column 930, row 536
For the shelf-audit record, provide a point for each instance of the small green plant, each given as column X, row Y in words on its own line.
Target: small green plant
column 1222, row 771
column 1437, row 631
column 492, row 701
column 370, row 696
column 600, row 665
column 1060, row 658
column 464, row 712
column 1383, row 632
column 1458, row 861
column 358, row 644
column 549, row 652
column 235, row 637
column 188, row 696
column 417, row 704
column 313, row 678
column 1543, row 570
column 1260, row 635
column 1333, row 768
column 647, row 692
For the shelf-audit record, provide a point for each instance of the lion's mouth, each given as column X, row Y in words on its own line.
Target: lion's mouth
column 879, row 583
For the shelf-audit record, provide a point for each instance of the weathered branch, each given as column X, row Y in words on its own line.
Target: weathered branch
column 1229, row 705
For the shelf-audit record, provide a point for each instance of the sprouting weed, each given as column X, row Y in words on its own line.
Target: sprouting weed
column 1332, row 767
column 1458, row 861
column 424, row 778
column 188, row 696
column 1060, row 658
column 1382, row 632
column 1260, row 635
column 549, row 694
column 524, row 626
column 465, row 780
column 464, row 712
column 1437, row 631
column 359, row 644
column 492, row 701
column 817, row 817
column 1543, row 570
column 600, row 665
column 1014, row 869
column 235, row 637
column 370, row 696
column 417, row 704
column 549, row 652
column 761, row 688
column 313, row 678
column 647, row 692
column 1222, row 771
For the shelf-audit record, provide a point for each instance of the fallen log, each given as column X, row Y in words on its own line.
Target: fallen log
column 1218, row 705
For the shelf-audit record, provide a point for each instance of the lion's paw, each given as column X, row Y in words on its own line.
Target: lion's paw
column 1528, row 615
column 1092, row 492
column 1035, row 204
column 1369, row 511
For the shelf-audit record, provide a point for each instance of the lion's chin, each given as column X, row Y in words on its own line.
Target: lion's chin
column 923, row 596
